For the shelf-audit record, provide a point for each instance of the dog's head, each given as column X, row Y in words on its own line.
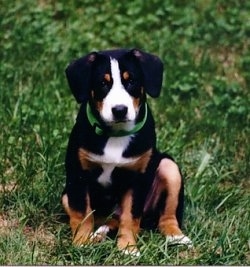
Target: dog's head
column 115, row 83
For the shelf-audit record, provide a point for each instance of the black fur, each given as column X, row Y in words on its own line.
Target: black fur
column 79, row 72
column 78, row 182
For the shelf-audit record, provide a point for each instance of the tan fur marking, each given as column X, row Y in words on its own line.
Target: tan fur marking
column 84, row 160
column 99, row 105
column 140, row 164
column 129, row 227
column 81, row 223
column 100, row 220
column 125, row 75
column 107, row 77
column 136, row 102
column 171, row 179
column 112, row 223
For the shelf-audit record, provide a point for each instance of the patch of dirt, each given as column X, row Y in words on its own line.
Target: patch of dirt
column 41, row 235
column 8, row 187
column 7, row 224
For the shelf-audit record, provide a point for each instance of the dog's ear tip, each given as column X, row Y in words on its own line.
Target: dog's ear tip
column 136, row 52
column 154, row 92
column 92, row 56
column 155, row 95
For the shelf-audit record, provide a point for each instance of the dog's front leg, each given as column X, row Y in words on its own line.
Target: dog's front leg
column 129, row 226
column 81, row 222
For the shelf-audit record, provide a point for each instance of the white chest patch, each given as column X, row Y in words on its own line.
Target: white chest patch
column 112, row 158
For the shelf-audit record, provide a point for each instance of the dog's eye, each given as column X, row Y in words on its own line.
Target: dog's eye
column 131, row 81
column 104, row 83
column 104, row 86
column 101, row 89
column 133, row 87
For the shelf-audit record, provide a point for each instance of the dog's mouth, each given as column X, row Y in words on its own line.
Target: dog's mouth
column 121, row 124
column 122, row 121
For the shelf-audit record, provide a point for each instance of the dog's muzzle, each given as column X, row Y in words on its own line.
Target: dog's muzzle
column 119, row 112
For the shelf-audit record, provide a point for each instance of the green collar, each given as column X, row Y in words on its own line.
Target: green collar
column 99, row 129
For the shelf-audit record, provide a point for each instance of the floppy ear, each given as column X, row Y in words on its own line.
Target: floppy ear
column 78, row 75
column 152, row 68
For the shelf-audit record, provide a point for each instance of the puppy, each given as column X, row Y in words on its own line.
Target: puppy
column 115, row 177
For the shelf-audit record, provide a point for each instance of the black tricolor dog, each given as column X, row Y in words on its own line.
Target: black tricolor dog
column 113, row 168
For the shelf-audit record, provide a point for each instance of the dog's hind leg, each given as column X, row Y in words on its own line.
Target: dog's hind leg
column 81, row 223
column 170, row 180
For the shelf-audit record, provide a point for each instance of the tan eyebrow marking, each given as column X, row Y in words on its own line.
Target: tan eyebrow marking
column 107, row 77
column 125, row 75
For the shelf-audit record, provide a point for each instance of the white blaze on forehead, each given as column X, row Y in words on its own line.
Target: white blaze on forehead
column 117, row 96
column 116, row 73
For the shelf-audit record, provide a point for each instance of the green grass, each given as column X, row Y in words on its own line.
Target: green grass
column 202, row 119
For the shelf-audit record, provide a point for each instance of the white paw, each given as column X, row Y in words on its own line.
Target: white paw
column 179, row 240
column 131, row 252
column 100, row 234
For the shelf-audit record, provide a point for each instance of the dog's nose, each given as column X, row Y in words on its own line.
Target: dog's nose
column 119, row 112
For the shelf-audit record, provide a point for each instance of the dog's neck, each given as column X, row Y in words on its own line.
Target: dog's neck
column 100, row 130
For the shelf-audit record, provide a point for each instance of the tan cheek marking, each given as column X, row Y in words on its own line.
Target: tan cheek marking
column 84, row 160
column 142, row 163
column 99, row 105
column 129, row 227
column 81, row 223
column 107, row 77
column 136, row 103
column 125, row 75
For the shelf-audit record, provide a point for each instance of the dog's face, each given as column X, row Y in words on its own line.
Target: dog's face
column 115, row 83
column 116, row 89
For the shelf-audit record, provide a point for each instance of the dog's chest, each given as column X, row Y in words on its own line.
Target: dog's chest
column 114, row 149
column 111, row 158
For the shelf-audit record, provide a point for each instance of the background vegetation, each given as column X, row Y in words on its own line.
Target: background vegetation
column 202, row 119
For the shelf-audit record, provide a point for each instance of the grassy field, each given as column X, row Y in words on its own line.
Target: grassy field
column 202, row 119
